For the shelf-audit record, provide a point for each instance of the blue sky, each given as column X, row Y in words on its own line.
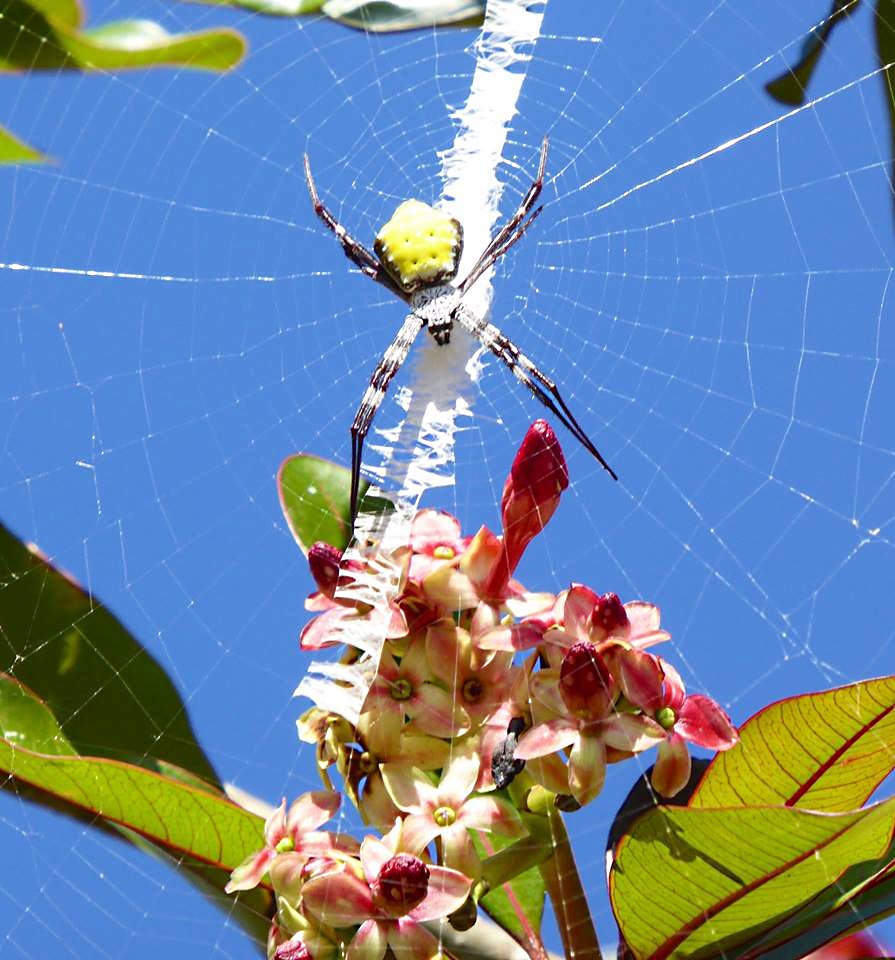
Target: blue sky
column 711, row 287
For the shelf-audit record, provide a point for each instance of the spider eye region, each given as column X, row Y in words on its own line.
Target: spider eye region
column 419, row 246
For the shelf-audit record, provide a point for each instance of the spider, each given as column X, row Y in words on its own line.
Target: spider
column 416, row 256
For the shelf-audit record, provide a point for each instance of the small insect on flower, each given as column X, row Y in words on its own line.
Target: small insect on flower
column 416, row 256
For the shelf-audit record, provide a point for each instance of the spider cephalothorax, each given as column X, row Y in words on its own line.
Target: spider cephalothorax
column 417, row 255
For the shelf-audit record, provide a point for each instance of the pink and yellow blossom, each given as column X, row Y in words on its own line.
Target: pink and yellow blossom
column 296, row 832
column 449, row 811
column 387, row 894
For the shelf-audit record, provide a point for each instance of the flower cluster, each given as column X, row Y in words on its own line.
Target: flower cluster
column 479, row 680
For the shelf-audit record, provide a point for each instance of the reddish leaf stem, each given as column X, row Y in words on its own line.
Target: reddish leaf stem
column 566, row 893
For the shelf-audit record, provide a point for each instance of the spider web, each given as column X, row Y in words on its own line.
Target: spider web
column 710, row 284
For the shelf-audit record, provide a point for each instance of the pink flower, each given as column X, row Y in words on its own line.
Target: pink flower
column 435, row 539
column 457, row 586
column 404, row 690
column 386, row 740
column 336, row 619
column 654, row 685
column 589, row 616
column 449, row 811
column 389, row 893
column 577, row 614
column 292, row 832
column 581, row 694
column 331, row 627
column 478, row 680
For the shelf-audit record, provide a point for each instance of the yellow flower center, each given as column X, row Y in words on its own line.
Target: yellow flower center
column 401, row 689
column 444, row 816
column 472, row 690
column 666, row 718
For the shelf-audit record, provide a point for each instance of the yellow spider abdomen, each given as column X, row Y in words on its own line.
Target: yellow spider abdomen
column 419, row 246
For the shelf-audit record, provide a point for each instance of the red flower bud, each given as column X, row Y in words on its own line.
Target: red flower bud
column 402, row 884
column 585, row 683
column 530, row 497
column 861, row 944
column 537, row 478
column 324, row 560
column 292, row 950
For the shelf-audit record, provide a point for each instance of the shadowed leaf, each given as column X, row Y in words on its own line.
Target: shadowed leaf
column 42, row 36
column 272, row 8
column 518, row 905
column 110, row 697
column 68, row 13
column 47, row 35
column 730, row 879
column 885, row 52
column 382, row 16
column 375, row 16
column 185, row 819
column 28, row 728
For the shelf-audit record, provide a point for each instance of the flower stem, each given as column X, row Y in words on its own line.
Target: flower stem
column 560, row 873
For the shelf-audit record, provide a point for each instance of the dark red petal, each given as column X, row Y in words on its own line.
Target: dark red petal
column 609, row 617
column 324, row 560
column 702, row 721
column 585, row 682
column 401, row 885
column 640, row 676
column 292, row 950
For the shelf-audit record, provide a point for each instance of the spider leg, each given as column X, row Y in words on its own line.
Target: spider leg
column 482, row 266
column 528, row 374
column 490, row 253
column 373, row 396
column 354, row 249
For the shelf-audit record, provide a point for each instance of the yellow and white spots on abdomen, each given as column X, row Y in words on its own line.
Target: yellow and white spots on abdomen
column 419, row 246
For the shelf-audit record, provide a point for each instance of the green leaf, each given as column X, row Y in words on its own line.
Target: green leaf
column 518, row 905
column 110, row 697
column 179, row 817
column 709, row 882
column 851, row 905
column 872, row 905
column 375, row 16
column 68, row 13
column 315, row 496
column 821, row 751
column 26, row 722
column 30, row 39
column 381, row 16
column 13, row 150
column 790, row 87
column 272, row 8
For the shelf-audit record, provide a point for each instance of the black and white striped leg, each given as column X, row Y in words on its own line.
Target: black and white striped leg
column 499, row 245
column 354, row 249
column 528, row 374
column 373, row 396
column 510, row 241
